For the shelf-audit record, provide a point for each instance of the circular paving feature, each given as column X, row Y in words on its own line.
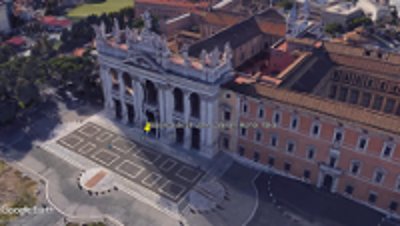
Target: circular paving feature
column 97, row 180
column 207, row 196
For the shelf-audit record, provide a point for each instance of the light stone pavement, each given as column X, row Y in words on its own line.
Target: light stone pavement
column 65, row 194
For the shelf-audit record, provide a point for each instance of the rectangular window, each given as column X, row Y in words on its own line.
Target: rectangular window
column 294, row 122
column 378, row 177
column 343, row 94
column 366, row 100
column 333, row 91
column 372, row 198
column 377, row 103
column 258, row 136
column 260, row 113
column 306, row 174
column 244, row 108
column 287, row 167
column 241, row 150
column 389, row 107
column 349, row 189
column 354, row 94
column 290, row 146
column 271, row 161
column 362, row 143
column 387, row 150
column 274, row 141
column 225, row 142
column 338, row 136
column 276, row 118
column 310, row 153
column 355, row 167
column 398, row 184
column 243, row 131
column 315, row 129
column 227, row 115
column 332, row 161
column 256, row 156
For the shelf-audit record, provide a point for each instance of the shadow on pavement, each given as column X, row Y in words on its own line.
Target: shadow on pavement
column 316, row 205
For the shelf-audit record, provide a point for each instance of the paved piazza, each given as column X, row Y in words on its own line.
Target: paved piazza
column 156, row 171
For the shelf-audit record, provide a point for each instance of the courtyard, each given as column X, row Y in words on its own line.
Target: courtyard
column 160, row 173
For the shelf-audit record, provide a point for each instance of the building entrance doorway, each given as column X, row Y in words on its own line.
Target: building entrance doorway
column 327, row 182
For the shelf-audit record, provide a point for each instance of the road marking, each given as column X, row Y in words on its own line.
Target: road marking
column 253, row 212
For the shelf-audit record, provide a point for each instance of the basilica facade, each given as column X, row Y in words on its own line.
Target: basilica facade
column 144, row 82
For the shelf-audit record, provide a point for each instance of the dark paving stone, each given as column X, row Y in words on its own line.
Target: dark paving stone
column 136, row 163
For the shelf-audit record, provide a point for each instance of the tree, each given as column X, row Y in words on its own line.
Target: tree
column 334, row 28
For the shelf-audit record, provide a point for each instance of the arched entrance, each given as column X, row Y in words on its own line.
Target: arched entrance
column 327, row 182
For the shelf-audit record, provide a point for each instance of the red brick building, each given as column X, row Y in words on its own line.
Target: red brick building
column 295, row 129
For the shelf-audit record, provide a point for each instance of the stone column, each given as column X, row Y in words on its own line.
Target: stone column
column 188, row 131
column 122, row 98
column 211, row 132
column 138, row 99
column 166, row 103
column 106, row 85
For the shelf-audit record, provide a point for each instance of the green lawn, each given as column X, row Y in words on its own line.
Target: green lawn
column 108, row 6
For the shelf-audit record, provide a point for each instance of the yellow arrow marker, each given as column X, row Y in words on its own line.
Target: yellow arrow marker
column 147, row 127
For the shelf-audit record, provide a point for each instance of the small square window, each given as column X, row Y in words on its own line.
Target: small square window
column 271, row 161
column 349, row 189
column 393, row 206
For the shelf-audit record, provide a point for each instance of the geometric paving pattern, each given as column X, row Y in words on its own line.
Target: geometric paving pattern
column 158, row 172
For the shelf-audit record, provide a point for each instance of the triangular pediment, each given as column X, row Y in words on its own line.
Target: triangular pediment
column 144, row 62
